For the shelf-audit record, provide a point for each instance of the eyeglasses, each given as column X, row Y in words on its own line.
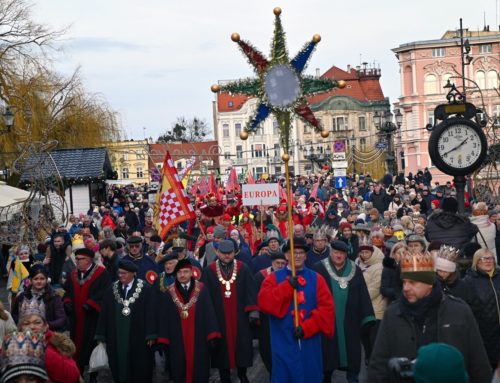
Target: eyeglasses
column 486, row 259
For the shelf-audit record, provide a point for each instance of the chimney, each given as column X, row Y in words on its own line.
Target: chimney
column 317, row 72
column 348, row 68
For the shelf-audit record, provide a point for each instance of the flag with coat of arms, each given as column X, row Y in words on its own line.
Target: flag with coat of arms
column 172, row 202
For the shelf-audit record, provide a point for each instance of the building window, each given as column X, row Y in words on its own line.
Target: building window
column 339, row 123
column 125, row 173
column 227, row 153
column 492, row 80
column 430, row 118
column 362, row 123
column 485, row 48
column 276, row 129
column 230, row 104
column 258, row 150
column 139, row 156
column 260, row 130
column 237, row 129
column 140, row 173
column 225, row 130
column 430, row 84
column 259, row 170
column 239, row 151
column 159, row 166
column 123, row 156
column 276, row 150
column 438, row 52
column 179, row 165
column 496, row 115
column 362, row 144
column 277, row 170
column 480, row 79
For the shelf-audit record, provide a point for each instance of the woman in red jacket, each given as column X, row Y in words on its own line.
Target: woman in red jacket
column 60, row 366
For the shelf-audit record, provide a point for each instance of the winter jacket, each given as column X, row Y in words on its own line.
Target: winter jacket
column 380, row 201
column 456, row 326
column 7, row 326
column 487, row 232
column 54, row 309
column 391, row 284
column 454, row 286
column 61, row 368
column 451, row 229
column 372, row 272
column 483, row 296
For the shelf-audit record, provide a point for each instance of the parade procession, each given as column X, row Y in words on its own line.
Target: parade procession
column 310, row 235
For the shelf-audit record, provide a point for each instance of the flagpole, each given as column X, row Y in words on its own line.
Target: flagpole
column 286, row 158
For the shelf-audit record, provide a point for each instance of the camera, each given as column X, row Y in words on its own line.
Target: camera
column 401, row 369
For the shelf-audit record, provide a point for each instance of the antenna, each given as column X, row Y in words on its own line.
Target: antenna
column 484, row 20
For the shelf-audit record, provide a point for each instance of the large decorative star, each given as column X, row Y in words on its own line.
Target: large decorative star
column 280, row 87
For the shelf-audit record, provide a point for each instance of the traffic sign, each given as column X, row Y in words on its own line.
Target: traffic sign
column 340, row 172
column 340, row 182
column 381, row 145
column 340, row 156
column 339, row 146
column 339, row 164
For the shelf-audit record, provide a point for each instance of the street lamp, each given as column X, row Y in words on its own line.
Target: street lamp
column 320, row 156
column 8, row 119
column 383, row 123
column 353, row 149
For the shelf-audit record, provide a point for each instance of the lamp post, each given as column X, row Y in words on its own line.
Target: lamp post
column 320, row 156
column 353, row 149
column 8, row 119
column 383, row 123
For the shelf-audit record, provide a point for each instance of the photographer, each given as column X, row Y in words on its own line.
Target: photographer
column 425, row 315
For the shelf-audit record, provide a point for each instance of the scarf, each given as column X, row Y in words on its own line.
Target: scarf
column 418, row 311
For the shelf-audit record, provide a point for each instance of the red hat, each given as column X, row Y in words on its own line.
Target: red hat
column 210, row 229
column 246, row 215
column 282, row 209
column 435, row 202
column 344, row 225
column 226, row 217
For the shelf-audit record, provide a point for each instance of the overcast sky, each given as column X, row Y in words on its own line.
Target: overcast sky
column 154, row 60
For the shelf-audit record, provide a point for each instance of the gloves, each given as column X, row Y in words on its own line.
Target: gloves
column 254, row 317
column 294, row 282
column 298, row 332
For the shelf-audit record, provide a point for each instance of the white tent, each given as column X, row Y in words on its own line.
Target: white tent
column 10, row 195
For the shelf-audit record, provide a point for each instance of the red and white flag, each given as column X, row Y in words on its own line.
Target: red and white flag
column 172, row 202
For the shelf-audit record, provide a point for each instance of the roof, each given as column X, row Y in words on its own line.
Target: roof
column 362, row 85
column 205, row 150
column 70, row 163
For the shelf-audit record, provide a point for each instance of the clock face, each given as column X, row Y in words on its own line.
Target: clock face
column 459, row 146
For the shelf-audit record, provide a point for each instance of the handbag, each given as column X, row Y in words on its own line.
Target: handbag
column 98, row 359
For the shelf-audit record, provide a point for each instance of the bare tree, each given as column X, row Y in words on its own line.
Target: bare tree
column 183, row 130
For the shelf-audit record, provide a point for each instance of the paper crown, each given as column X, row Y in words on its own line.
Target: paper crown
column 365, row 243
column 448, row 252
column 272, row 234
column 32, row 306
column 179, row 243
column 416, row 262
column 23, row 353
column 319, row 234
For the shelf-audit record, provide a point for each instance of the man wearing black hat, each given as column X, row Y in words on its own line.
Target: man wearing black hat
column 190, row 328
column 278, row 261
column 128, row 326
column 353, row 310
column 449, row 227
column 234, row 295
column 296, row 351
column 147, row 269
column 82, row 301
column 167, row 276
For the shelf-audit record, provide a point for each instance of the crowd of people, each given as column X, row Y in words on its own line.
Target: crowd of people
column 384, row 271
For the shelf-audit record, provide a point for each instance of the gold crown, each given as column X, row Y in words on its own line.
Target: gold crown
column 32, row 306
column 414, row 262
column 23, row 348
column 448, row 252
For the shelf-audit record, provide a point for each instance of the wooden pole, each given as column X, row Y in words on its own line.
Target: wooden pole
column 286, row 159
column 261, row 217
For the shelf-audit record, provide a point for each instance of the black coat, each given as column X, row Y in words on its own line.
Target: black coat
column 451, row 229
column 142, row 326
column 353, row 244
column 200, row 331
column 454, row 286
column 358, row 311
column 483, row 296
column 397, row 337
column 391, row 284
column 380, row 201
column 246, row 296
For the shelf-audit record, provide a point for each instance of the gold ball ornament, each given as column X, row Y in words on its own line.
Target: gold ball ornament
column 325, row 133
column 341, row 84
column 235, row 37
column 215, row 88
column 277, row 11
column 243, row 135
column 316, row 38
column 285, row 157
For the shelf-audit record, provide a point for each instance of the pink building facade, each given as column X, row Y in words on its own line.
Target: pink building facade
column 425, row 67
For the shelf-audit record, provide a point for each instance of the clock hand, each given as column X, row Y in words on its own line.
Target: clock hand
column 456, row 147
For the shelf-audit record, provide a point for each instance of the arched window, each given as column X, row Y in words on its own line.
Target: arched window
column 480, row 79
column 430, row 84
column 492, row 79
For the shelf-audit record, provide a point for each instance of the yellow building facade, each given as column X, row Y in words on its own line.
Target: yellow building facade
column 129, row 159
